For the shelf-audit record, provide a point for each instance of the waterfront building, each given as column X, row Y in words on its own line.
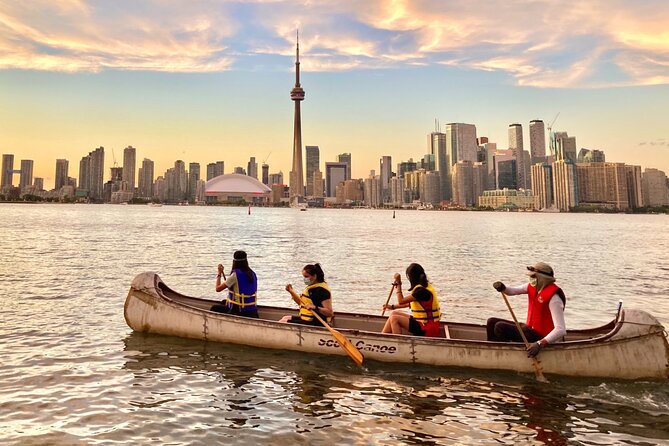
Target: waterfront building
column 39, row 184
column 96, row 173
column 408, row 166
column 440, row 161
column 504, row 162
column 318, row 185
column 345, row 158
column 276, row 178
column 654, row 188
column 200, row 191
column 215, row 169
column 373, row 191
column 85, row 175
column 430, row 187
column 489, row 149
column 26, row 178
column 602, row 184
column 265, row 174
column 160, row 189
column 386, row 172
column 507, row 199
column 516, row 145
column 193, row 180
column 590, row 156
column 565, row 147
column 146, row 173
column 280, row 193
column 634, row 188
column 350, row 191
column 412, row 182
column 297, row 96
column 115, row 183
column 462, row 184
column 313, row 164
column 537, row 141
column 397, row 194
column 252, row 168
column 461, row 142
column 565, row 186
column 542, row 185
column 62, row 167
column 335, row 173
column 129, row 167
column 237, row 188
column 7, row 177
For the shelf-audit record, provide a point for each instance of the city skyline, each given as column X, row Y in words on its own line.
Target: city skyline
column 377, row 76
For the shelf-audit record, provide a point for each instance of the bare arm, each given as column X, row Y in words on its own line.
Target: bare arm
column 402, row 300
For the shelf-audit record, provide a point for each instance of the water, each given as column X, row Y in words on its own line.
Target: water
column 72, row 372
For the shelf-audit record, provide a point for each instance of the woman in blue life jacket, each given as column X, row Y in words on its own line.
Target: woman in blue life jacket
column 242, row 286
column 315, row 297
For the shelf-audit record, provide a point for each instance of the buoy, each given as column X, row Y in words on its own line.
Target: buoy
column 249, row 209
column 393, row 214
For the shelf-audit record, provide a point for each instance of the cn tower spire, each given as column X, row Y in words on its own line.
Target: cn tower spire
column 297, row 96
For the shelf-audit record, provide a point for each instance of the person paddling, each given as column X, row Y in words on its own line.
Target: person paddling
column 422, row 299
column 545, row 313
column 315, row 297
column 242, row 286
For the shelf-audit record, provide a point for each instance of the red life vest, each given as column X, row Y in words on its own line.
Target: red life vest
column 538, row 313
column 427, row 313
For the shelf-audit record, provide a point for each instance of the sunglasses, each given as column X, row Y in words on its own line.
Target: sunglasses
column 534, row 270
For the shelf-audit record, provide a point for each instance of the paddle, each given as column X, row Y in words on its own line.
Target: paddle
column 538, row 372
column 342, row 340
column 392, row 287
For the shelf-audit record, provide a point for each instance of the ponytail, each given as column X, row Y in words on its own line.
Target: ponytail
column 315, row 270
column 416, row 275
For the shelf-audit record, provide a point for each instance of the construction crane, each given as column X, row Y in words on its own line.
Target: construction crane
column 549, row 127
column 267, row 157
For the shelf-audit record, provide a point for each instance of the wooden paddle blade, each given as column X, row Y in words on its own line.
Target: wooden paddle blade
column 538, row 372
column 348, row 347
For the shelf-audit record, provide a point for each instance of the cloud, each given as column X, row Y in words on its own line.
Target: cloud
column 540, row 43
column 662, row 142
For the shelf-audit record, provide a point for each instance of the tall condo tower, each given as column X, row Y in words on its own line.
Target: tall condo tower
column 297, row 96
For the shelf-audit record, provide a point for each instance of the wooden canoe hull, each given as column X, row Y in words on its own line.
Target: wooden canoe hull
column 636, row 347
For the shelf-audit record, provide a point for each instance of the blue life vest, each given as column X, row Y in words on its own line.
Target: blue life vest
column 246, row 298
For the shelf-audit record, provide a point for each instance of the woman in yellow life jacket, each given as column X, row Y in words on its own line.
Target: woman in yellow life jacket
column 422, row 299
column 315, row 297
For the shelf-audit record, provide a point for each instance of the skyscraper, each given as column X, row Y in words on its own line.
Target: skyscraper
column 461, row 142
column 85, row 173
column 537, row 141
column 62, row 166
column 565, row 147
column 654, row 187
column 386, row 170
column 565, row 189
column 39, row 184
column 345, row 158
column 437, row 147
column 146, row 179
column 335, row 173
column 193, row 180
column 26, row 174
column 129, row 166
column 252, row 168
column 603, row 184
column 297, row 96
column 215, row 169
column 7, row 171
column 265, row 174
column 516, row 145
column 313, row 164
column 97, row 173
column 542, row 185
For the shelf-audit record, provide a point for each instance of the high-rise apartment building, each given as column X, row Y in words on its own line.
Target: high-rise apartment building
column 373, row 191
column 406, row 166
column 318, row 184
column 60, row 179
column 438, row 148
column 97, row 167
column 463, row 181
column 313, row 164
column 565, row 184
column 85, row 173
column 654, row 188
column 7, row 177
column 489, row 149
column 430, row 187
column 276, row 178
column 146, row 179
column 516, row 145
column 193, row 180
column 252, row 168
column 461, row 142
column 565, row 147
column 537, row 141
column 265, row 174
column 129, row 167
column 603, row 184
column 345, row 158
column 26, row 178
column 542, row 185
column 397, row 195
column 39, row 184
column 335, row 173
column 215, row 169
column 350, row 191
column 386, row 170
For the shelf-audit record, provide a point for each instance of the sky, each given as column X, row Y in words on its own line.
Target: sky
column 209, row 80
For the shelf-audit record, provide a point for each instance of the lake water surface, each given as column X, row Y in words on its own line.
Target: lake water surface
column 72, row 372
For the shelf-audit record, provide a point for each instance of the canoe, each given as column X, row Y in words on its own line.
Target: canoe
column 633, row 346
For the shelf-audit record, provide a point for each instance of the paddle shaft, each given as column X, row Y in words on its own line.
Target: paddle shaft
column 535, row 362
column 392, row 287
column 342, row 340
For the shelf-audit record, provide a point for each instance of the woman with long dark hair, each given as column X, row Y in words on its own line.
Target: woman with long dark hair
column 315, row 297
column 422, row 299
column 242, row 286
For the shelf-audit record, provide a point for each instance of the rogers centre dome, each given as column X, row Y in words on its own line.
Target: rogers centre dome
column 234, row 187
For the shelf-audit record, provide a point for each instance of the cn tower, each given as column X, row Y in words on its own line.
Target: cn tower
column 297, row 95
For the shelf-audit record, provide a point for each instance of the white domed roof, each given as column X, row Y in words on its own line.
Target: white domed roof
column 235, row 183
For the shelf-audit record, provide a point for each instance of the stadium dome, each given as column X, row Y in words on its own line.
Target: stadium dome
column 236, row 187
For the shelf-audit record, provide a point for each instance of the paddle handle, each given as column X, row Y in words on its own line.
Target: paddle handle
column 392, row 287
column 538, row 372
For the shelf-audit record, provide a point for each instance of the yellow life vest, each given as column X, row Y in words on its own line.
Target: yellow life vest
column 307, row 315
column 419, row 313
